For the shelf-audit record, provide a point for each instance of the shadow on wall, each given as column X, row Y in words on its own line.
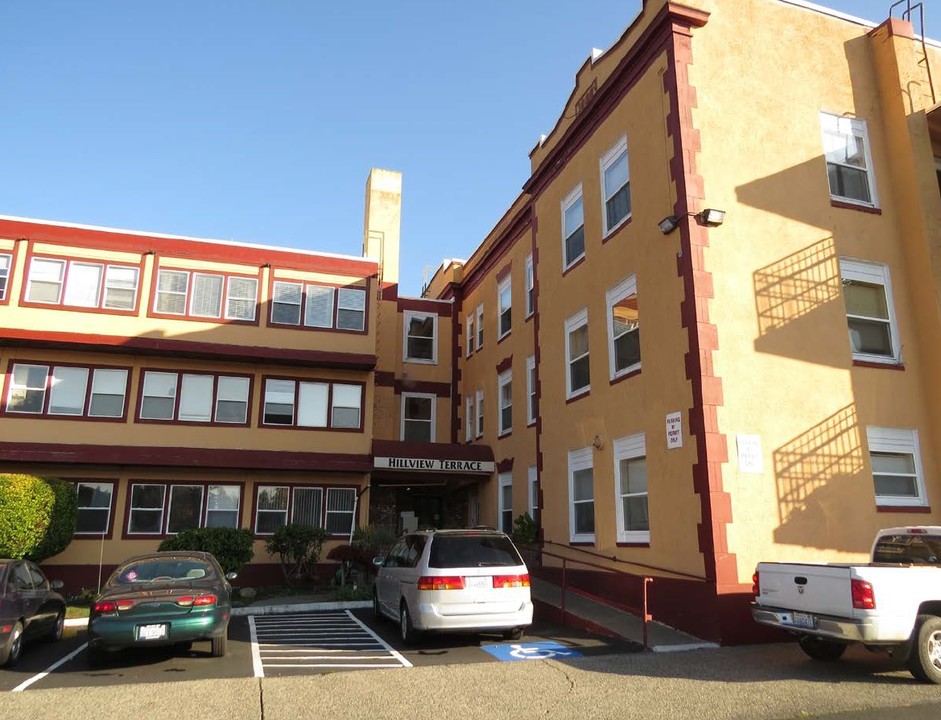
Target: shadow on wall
column 815, row 473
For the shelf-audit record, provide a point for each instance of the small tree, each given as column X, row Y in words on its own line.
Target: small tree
column 298, row 548
column 232, row 547
column 37, row 516
column 524, row 530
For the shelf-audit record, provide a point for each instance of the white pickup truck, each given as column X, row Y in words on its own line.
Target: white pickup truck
column 892, row 604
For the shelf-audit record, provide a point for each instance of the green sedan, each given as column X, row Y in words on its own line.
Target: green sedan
column 165, row 598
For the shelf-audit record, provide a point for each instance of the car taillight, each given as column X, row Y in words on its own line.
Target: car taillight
column 105, row 606
column 863, row 596
column 510, row 581
column 755, row 585
column 440, row 583
column 197, row 601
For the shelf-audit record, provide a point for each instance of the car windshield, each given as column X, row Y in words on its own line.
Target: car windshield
column 908, row 549
column 160, row 570
column 453, row 551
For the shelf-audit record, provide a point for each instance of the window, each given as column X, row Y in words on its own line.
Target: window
column 279, row 402
column 307, row 506
column 469, row 419
column 530, row 285
column 351, row 309
column 505, row 502
column 185, row 508
column 121, row 288
column 232, row 400
column 159, row 396
column 311, row 400
column 6, row 261
column 897, row 473
column 271, row 509
column 45, row 281
column 849, row 163
column 623, row 328
column 867, row 294
column 340, row 508
column 480, row 413
column 530, row 389
column 505, row 297
column 582, row 494
column 241, row 299
column 27, row 392
column 196, row 398
column 108, row 388
column 84, row 285
column 318, row 310
column 146, row 517
column 67, row 391
column 278, row 505
column 171, row 292
column 347, row 406
column 222, row 506
column 616, row 186
column 207, row 296
column 286, row 303
column 630, row 478
column 312, row 404
column 420, row 334
column 573, row 228
column 418, row 417
column 94, row 507
column 480, row 326
column 577, row 378
column 532, row 477
column 505, row 394
column 322, row 306
column 470, row 335
column 201, row 397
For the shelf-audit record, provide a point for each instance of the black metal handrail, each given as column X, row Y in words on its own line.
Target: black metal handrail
column 613, row 558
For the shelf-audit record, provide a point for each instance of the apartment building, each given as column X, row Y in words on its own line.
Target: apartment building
column 704, row 334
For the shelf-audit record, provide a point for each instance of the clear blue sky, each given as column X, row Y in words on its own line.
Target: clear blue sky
column 258, row 120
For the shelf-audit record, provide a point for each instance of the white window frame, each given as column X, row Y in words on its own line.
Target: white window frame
column 72, row 282
column 312, row 404
column 874, row 274
column 530, row 285
column 582, row 459
column 432, row 399
column 228, row 396
column 351, row 300
column 109, row 284
column 331, row 491
column 264, row 402
column 609, row 159
column 169, row 505
column 230, row 297
column 258, row 510
column 408, row 315
column 219, row 298
column 632, row 447
column 297, row 284
column 901, row 442
column 470, row 335
column 237, row 509
column 6, row 267
column 480, row 414
column 532, row 485
column 100, row 485
column 504, row 379
column 504, row 480
column 27, row 388
column 175, row 397
column 158, row 292
column 504, row 287
column 624, row 289
column 55, row 382
column 469, row 419
column 60, row 282
column 568, row 202
column 133, row 508
column 841, row 125
column 107, row 372
column 575, row 322
column 531, row 390
column 480, row 326
column 335, row 405
column 325, row 291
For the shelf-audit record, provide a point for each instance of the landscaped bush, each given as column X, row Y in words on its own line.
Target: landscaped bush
column 524, row 530
column 37, row 516
column 233, row 548
column 298, row 548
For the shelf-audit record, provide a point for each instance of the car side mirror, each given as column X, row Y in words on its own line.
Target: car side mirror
column 378, row 561
column 231, row 575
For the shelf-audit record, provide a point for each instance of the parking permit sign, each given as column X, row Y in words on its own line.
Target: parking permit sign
column 530, row 651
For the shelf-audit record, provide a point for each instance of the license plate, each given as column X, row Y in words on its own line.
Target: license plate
column 151, row 632
column 803, row 620
column 479, row 582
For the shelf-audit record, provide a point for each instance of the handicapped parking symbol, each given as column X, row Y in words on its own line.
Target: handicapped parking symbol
column 530, row 651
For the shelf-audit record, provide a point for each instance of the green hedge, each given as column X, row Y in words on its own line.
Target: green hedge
column 233, row 548
column 37, row 516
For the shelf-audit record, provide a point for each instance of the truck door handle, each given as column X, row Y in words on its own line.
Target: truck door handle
column 800, row 580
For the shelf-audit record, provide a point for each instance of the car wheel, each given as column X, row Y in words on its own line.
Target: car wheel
column 376, row 611
column 219, row 644
column 56, row 633
column 819, row 649
column 924, row 662
column 11, row 653
column 407, row 631
column 514, row 634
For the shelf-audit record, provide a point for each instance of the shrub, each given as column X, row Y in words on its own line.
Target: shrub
column 524, row 530
column 28, row 506
column 373, row 540
column 298, row 548
column 232, row 547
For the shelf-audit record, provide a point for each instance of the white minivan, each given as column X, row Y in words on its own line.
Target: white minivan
column 454, row 580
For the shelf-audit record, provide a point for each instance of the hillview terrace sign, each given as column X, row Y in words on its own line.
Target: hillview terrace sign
column 430, row 465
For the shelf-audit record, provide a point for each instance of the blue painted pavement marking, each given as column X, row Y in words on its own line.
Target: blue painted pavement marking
column 530, row 651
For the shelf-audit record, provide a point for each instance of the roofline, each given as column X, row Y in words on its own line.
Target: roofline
column 830, row 12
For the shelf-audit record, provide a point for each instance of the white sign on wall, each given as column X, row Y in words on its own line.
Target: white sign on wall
column 674, row 430
column 749, row 454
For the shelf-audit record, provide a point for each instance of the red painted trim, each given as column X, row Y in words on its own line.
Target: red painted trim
column 126, row 534
column 179, row 396
column 14, row 253
column 384, row 378
column 114, row 482
column 505, row 364
column 439, row 389
column 853, row 206
column 269, row 322
column 505, row 335
column 171, row 348
column 115, row 240
column 617, row 229
column 921, row 509
column 537, row 390
column 505, row 434
column 581, row 544
column 292, row 486
column 622, row 378
column 578, row 261
column 329, row 383
column 504, row 271
column 879, row 366
column 505, row 465
column 110, row 455
column 432, row 451
column 633, row 544
column 190, row 285
column 422, row 305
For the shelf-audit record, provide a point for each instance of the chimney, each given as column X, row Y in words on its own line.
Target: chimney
column 382, row 223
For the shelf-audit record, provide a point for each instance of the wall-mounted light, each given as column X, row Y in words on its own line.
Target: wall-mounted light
column 710, row 217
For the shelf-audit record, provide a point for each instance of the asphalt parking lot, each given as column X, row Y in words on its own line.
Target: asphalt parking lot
column 291, row 645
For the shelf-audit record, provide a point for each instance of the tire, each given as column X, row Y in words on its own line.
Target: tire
column 407, row 631
column 376, row 611
column 219, row 644
column 820, row 649
column 55, row 635
column 514, row 634
column 924, row 662
column 10, row 654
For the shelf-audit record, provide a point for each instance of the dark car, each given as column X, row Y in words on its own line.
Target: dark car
column 29, row 608
column 161, row 599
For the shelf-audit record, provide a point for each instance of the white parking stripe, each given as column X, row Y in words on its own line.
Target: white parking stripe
column 36, row 678
column 256, row 654
column 392, row 651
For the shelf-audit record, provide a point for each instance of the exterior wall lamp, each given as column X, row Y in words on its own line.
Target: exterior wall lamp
column 710, row 217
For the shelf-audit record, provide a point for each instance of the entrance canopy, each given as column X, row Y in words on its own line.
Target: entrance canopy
column 426, row 463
